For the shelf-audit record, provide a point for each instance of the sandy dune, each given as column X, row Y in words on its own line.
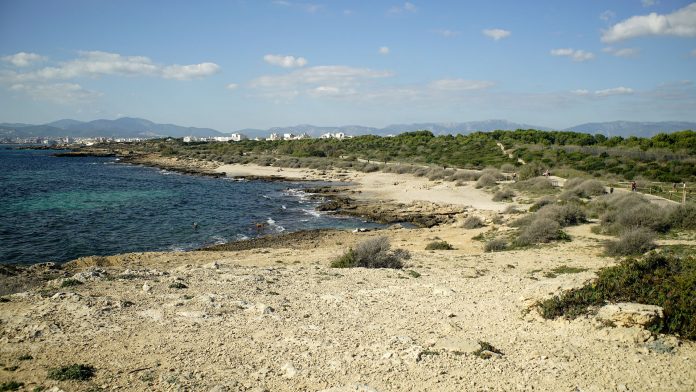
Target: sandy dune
column 401, row 188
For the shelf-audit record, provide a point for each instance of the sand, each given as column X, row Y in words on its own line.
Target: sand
column 400, row 188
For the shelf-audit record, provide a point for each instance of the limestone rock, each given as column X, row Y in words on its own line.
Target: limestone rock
column 457, row 344
column 626, row 314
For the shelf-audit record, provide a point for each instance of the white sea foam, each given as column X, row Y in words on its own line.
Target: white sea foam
column 313, row 213
column 272, row 224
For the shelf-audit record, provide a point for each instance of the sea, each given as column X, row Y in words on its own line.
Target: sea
column 61, row 208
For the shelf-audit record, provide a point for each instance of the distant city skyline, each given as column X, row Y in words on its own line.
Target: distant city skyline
column 240, row 64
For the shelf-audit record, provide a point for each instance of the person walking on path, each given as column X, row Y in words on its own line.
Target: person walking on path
column 634, row 187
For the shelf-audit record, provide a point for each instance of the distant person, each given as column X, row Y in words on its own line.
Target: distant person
column 611, row 190
column 195, row 225
column 514, row 176
column 634, row 186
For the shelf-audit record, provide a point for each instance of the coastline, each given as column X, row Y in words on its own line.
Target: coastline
column 270, row 314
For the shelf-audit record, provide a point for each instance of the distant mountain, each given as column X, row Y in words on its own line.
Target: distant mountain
column 138, row 127
column 65, row 124
column 458, row 127
column 633, row 128
column 122, row 127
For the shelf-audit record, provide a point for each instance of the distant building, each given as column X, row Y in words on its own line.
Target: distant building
column 238, row 137
column 337, row 135
column 275, row 136
column 289, row 136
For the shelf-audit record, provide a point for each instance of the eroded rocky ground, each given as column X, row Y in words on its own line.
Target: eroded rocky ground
column 278, row 318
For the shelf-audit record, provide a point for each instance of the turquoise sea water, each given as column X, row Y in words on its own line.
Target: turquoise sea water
column 58, row 209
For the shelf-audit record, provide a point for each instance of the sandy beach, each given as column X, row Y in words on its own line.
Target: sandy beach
column 275, row 317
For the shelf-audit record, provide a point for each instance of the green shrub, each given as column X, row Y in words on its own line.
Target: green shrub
column 540, row 230
column 584, row 188
column 565, row 215
column 535, row 185
column 465, row 175
column 72, row 372
column 486, row 181
column 11, row 386
column 473, row 222
column 661, row 279
column 631, row 242
column 495, row 245
column 683, row 217
column 546, row 200
column 70, row 283
column 439, row 245
column 504, row 194
column 373, row 253
column 530, row 170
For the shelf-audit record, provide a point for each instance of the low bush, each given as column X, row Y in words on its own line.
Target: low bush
column 540, row 230
column 72, row 372
column 683, row 217
column 373, row 253
column 486, row 181
column 631, row 242
column 439, row 245
column 504, row 195
column 565, row 215
column 465, row 175
column 546, row 200
column 493, row 172
column 536, row 185
column 662, row 279
column 584, row 188
column 11, row 386
column 495, row 245
column 70, row 283
column 473, row 222
column 512, row 209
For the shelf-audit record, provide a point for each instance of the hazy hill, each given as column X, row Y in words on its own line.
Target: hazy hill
column 138, row 127
column 633, row 128
column 122, row 127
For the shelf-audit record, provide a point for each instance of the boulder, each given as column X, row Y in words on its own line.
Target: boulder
column 626, row 314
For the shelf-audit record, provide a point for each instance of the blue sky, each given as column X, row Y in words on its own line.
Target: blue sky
column 256, row 64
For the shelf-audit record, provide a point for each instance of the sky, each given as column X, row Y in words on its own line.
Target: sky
column 231, row 65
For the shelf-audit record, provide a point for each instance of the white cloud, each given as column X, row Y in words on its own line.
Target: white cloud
column 285, row 61
column 62, row 93
column 232, row 86
column 95, row 64
column 460, row 84
column 447, row 33
column 649, row 3
column 324, row 80
column 681, row 23
column 406, row 7
column 575, row 55
column 496, row 34
column 621, row 52
column 307, row 7
column 614, row 91
column 186, row 72
column 23, row 59
column 607, row 15
column 384, row 50
column 603, row 93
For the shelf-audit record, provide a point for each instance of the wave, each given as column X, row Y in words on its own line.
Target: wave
column 313, row 213
column 272, row 224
